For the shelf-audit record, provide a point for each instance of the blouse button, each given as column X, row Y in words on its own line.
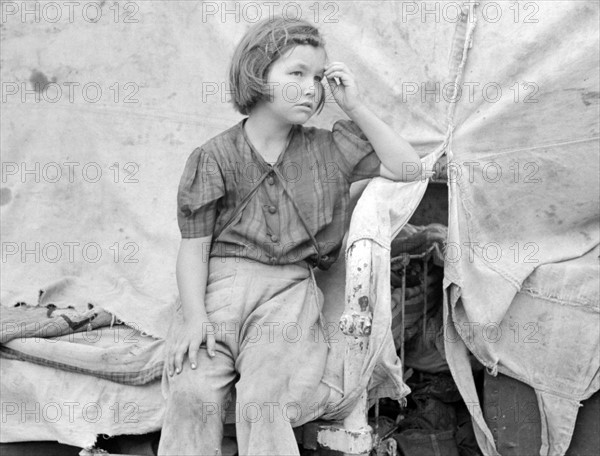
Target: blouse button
column 272, row 209
column 270, row 180
column 274, row 238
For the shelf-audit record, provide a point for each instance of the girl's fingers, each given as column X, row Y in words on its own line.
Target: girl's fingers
column 193, row 353
column 328, row 72
column 210, row 345
column 337, row 74
column 333, row 86
column 179, row 353
column 171, row 358
column 337, row 67
column 345, row 78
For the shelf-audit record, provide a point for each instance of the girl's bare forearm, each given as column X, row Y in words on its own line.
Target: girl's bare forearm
column 395, row 153
column 192, row 275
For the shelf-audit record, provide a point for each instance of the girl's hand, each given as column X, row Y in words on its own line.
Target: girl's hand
column 345, row 93
column 187, row 340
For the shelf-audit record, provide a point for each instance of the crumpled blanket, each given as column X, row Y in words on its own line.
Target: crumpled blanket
column 69, row 339
column 25, row 321
column 125, row 356
column 109, row 293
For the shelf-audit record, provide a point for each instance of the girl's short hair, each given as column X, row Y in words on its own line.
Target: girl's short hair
column 262, row 45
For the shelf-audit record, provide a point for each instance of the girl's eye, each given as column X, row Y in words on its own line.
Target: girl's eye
column 296, row 73
column 318, row 78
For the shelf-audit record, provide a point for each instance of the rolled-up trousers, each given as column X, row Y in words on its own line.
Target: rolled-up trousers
column 269, row 345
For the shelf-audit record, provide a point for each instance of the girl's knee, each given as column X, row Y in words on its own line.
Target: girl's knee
column 201, row 403
column 192, row 393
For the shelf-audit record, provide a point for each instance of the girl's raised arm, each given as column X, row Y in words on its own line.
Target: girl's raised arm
column 399, row 160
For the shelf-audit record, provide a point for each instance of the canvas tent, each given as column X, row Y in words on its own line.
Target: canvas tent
column 508, row 90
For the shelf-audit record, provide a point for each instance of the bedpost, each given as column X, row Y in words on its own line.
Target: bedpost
column 355, row 436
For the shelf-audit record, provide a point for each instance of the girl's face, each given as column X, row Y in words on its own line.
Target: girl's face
column 294, row 82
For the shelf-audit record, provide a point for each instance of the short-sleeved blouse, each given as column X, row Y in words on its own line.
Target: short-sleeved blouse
column 317, row 167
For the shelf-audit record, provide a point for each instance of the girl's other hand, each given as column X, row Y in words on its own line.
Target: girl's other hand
column 345, row 92
column 189, row 338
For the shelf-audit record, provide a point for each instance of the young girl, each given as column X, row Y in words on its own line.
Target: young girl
column 259, row 206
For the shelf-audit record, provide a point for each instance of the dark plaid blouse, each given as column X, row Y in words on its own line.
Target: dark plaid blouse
column 318, row 167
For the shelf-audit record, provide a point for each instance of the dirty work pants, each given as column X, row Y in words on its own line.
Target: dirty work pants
column 268, row 338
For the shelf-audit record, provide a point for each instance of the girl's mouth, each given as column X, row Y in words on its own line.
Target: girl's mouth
column 305, row 105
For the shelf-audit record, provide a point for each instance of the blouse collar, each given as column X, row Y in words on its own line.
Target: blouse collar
column 257, row 156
